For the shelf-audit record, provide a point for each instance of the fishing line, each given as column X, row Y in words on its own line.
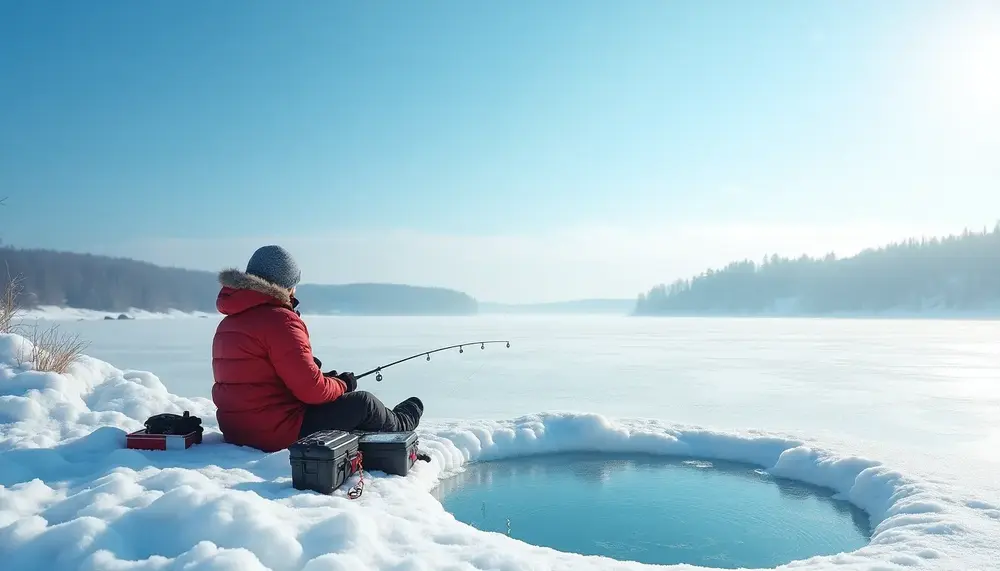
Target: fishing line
column 476, row 372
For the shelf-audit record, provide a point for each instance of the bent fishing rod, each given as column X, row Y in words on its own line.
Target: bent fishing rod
column 377, row 371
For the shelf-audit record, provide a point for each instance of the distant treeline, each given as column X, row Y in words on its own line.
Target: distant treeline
column 384, row 299
column 103, row 283
column 954, row 273
column 86, row 281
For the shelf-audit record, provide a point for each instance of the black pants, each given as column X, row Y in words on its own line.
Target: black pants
column 361, row 410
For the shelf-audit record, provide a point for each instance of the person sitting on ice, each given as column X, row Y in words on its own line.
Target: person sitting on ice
column 269, row 389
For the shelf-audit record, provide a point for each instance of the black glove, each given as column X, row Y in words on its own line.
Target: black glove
column 349, row 381
column 318, row 362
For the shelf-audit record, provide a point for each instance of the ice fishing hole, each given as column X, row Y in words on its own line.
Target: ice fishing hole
column 655, row 510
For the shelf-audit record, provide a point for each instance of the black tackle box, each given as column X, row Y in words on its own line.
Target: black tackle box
column 322, row 461
column 390, row 452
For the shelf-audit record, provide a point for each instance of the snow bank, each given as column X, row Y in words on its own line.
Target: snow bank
column 71, row 497
column 56, row 313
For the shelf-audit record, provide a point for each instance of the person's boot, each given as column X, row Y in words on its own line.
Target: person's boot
column 409, row 412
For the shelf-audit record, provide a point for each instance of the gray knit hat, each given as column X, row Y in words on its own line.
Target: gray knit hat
column 276, row 265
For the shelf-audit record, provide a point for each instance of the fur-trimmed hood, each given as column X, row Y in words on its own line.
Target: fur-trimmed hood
column 238, row 279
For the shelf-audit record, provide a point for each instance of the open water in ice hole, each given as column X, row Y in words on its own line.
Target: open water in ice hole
column 655, row 510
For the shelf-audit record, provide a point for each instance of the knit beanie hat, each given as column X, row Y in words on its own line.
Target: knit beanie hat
column 274, row 264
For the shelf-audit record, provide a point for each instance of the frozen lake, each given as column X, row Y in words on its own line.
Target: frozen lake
column 834, row 398
column 905, row 391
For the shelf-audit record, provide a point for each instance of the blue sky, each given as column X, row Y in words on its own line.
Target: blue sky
column 519, row 151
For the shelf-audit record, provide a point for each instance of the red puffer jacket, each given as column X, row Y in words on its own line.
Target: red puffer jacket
column 263, row 365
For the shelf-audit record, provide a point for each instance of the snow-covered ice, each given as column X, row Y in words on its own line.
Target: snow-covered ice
column 57, row 313
column 71, row 496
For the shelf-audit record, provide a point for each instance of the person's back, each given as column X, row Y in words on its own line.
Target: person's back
column 269, row 389
column 264, row 376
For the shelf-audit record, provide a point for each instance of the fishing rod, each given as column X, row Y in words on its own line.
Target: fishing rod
column 377, row 371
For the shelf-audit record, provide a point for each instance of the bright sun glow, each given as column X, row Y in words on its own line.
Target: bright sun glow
column 965, row 67
column 974, row 75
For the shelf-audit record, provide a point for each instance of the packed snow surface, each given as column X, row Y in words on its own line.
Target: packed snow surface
column 71, row 496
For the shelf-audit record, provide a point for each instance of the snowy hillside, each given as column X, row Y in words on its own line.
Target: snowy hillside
column 71, row 496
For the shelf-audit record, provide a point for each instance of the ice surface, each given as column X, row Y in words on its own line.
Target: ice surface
column 71, row 497
column 919, row 395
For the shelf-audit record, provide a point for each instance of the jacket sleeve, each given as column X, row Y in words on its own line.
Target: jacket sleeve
column 291, row 355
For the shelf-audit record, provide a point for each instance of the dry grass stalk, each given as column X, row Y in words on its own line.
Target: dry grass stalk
column 52, row 351
column 8, row 305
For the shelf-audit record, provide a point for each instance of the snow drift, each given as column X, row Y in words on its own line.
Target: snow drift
column 72, row 497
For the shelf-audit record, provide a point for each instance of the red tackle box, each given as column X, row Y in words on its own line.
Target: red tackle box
column 141, row 440
column 167, row 431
